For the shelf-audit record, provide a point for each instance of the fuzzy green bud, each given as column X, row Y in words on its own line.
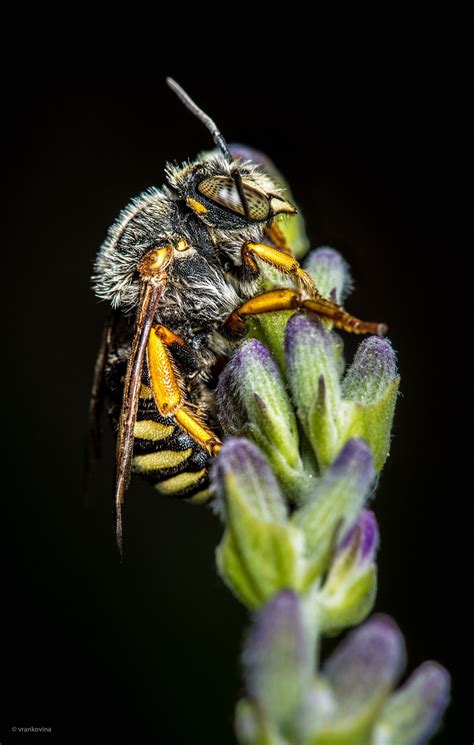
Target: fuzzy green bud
column 348, row 593
column 253, row 402
column 260, row 551
column 371, row 384
column 277, row 668
column 413, row 714
column 313, row 370
column 355, row 682
column 330, row 272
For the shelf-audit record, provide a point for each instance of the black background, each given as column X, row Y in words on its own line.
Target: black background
column 373, row 138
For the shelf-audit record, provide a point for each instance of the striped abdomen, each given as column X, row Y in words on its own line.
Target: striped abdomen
column 165, row 455
column 162, row 453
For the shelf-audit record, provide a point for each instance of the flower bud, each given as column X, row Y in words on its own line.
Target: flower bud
column 252, row 401
column 351, row 700
column 371, row 384
column 277, row 666
column 312, row 358
column 242, row 470
column 413, row 714
column 348, row 593
column 260, row 551
column 359, row 675
column 330, row 272
column 374, row 369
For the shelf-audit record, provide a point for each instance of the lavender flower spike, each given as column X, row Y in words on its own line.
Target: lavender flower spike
column 299, row 545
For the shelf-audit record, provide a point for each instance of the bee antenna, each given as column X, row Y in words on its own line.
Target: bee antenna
column 216, row 135
column 203, row 117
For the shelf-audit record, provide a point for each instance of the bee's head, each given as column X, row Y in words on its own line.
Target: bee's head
column 225, row 192
column 209, row 188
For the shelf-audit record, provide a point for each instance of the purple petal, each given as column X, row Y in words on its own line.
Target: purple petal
column 250, row 353
column 302, row 330
column 240, row 465
column 232, row 415
column 432, row 683
column 232, row 386
column 365, row 532
column 254, row 350
column 354, row 462
column 367, row 664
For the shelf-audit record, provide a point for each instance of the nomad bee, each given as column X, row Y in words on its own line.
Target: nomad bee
column 180, row 270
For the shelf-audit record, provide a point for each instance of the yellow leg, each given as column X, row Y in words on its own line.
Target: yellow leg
column 167, row 390
column 308, row 297
column 287, row 264
column 275, row 300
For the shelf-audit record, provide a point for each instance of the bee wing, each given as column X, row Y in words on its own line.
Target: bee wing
column 96, row 401
column 151, row 293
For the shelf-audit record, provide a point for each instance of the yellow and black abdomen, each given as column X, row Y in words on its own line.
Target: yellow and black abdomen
column 168, row 457
column 163, row 453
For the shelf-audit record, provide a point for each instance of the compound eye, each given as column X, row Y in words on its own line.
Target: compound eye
column 223, row 191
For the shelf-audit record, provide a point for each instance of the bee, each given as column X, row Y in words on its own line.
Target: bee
column 180, row 268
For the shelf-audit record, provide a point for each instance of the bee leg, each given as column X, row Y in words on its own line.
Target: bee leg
column 287, row 299
column 168, row 392
column 286, row 263
column 276, row 235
